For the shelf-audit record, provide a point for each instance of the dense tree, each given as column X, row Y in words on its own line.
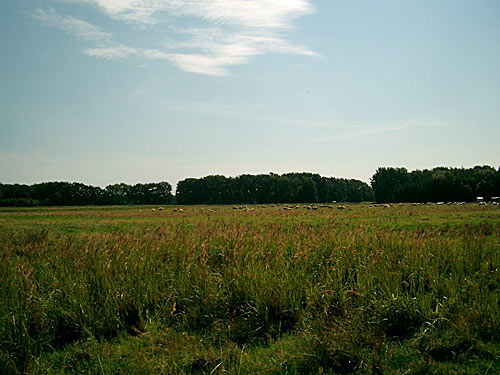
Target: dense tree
column 16, row 195
column 271, row 188
column 437, row 185
column 387, row 185
column 77, row 194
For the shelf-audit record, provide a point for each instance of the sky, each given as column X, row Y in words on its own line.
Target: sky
column 136, row 91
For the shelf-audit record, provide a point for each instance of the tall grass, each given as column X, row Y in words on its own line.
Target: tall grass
column 327, row 295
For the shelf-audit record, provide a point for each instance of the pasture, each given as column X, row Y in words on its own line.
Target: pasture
column 404, row 289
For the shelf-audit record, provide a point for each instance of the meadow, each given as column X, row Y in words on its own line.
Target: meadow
column 405, row 289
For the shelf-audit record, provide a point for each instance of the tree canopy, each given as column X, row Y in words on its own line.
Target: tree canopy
column 436, row 185
column 388, row 185
column 271, row 188
column 77, row 194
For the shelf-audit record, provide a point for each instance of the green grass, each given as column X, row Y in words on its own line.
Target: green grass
column 399, row 290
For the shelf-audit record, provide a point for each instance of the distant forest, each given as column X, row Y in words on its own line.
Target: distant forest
column 271, row 188
column 388, row 185
column 76, row 194
column 394, row 185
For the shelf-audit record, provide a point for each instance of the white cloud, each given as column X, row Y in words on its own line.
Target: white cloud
column 194, row 63
column 217, row 42
column 256, row 13
column 81, row 29
column 231, row 32
column 114, row 52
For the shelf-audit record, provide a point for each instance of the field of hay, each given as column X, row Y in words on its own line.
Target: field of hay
column 404, row 289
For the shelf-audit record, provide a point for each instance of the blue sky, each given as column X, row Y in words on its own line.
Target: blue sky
column 107, row 91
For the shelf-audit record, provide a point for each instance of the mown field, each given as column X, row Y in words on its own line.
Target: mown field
column 215, row 290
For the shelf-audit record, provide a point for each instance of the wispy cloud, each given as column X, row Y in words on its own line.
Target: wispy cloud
column 231, row 32
column 81, row 29
column 254, row 14
column 194, row 63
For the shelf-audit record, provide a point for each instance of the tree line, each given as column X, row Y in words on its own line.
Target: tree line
column 77, row 194
column 394, row 185
column 388, row 185
column 271, row 188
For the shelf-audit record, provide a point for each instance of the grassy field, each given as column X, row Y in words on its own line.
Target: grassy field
column 216, row 290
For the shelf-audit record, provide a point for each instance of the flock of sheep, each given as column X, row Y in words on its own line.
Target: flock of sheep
column 316, row 207
column 250, row 209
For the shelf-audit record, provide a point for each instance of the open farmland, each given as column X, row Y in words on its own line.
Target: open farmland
column 403, row 289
